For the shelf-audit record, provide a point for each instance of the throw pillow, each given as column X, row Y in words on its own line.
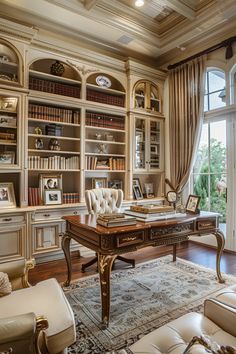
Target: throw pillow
column 5, row 285
column 199, row 345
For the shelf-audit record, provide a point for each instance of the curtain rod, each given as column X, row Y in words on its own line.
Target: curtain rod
column 228, row 54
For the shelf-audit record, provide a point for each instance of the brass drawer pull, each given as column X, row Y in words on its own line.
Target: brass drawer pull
column 7, row 219
column 129, row 238
column 75, row 212
column 46, row 215
column 205, row 224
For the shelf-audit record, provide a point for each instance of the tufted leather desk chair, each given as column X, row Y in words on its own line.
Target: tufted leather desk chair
column 100, row 201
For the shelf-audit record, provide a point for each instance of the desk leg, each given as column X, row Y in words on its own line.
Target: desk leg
column 104, row 267
column 220, row 238
column 65, row 244
column 174, row 252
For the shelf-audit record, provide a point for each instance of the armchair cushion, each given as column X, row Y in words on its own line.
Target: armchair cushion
column 5, row 285
column 47, row 299
column 103, row 200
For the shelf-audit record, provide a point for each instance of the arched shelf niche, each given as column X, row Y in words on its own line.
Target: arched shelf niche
column 54, row 76
column 10, row 64
column 147, row 96
column 106, row 89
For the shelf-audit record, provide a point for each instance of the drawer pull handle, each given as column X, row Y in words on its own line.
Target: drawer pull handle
column 206, row 224
column 75, row 212
column 129, row 239
column 7, row 219
column 46, row 215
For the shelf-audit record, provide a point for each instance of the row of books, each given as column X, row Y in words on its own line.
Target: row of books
column 111, row 163
column 53, row 163
column 57, row 88
column 7, row 136
column 56, row 114
column 114, row 220
column 70, row 198
column 35, row 199
column 34, row 196
column 106, row 98
column 104, row 120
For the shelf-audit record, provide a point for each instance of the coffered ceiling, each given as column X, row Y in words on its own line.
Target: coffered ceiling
column 157, row 32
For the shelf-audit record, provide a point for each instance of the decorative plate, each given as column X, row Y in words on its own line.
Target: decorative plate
column 103, row 81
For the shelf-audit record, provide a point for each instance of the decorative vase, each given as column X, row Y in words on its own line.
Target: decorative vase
column 57, row 68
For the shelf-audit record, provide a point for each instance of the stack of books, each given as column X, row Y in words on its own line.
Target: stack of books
column 114, row 220
column 152, row 212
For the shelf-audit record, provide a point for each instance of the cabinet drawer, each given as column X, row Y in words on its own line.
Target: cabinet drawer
column 53, row 214
column 10, row 219
column 133, row 239
column 206, row 224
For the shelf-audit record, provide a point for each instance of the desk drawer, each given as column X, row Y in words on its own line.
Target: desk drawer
column 133, row 239
column 206, row 224
column 172, row 231
column 47, row 215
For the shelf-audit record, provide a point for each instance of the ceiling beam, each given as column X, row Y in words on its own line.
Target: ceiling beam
column 182, row 9
column 89, row 4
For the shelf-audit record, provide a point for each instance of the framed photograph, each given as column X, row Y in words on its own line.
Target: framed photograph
column 99, row 183
column 148, row 190
column 192, row 204
column 49, row 181
column 136, row 182
column 7, row 195
column 52, row 196
column 137, row 192
column 153, row 149
column 7, row 158
column 116, row 184
column 6, row 121
column 8, row 104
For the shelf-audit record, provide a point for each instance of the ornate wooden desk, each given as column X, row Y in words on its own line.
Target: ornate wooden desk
column 109, row 242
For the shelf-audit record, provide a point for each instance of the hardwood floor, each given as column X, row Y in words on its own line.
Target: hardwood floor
column 187, row 250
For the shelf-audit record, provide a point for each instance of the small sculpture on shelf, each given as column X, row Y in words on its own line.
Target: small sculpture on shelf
column 98, row 136
column 38, row 131
column 57, row 68
column 54, row 145
column 102, row 148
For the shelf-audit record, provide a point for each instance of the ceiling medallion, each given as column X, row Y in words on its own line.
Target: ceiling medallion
column 103, row 81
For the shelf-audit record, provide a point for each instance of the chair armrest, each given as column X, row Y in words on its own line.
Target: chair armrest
column 17, row 272
column 221, row 314
column 21, row 333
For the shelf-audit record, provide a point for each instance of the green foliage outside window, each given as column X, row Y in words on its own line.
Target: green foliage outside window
column 210, row 182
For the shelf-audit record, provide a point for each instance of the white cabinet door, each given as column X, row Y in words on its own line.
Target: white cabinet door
column 12, row 242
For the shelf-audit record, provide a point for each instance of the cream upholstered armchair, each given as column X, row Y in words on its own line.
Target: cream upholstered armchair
column 216, row 327
column 34, row 319
column 100, row 201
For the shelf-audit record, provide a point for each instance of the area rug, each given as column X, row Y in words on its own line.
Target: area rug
column 142, row 299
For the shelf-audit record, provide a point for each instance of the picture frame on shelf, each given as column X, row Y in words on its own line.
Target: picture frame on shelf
column 148, row 190
column 137, row 192
column 116, row 184
column 99, row 183
column 136, row 182
column 6, row 121
column 192, row 204
column 7, row 195
column 52, row 196
column 7, row 157
column 8, row 104
column 49, row 182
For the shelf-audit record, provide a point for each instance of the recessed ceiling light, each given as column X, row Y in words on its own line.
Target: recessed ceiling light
column 139, row 3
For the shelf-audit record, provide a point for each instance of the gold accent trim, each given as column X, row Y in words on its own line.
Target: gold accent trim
column 28, row 265
column 41, row 325
column 129, row 238
column 102, row 264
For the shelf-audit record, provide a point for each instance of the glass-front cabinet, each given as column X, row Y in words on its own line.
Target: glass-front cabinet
column 147, row 97
column 148, row 144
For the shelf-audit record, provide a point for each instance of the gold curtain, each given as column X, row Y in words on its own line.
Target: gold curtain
column 186, row 97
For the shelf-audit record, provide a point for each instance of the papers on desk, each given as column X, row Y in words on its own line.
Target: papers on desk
column 155, row 216
column 114, row 220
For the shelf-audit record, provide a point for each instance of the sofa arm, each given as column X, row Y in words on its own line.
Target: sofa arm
column 20, row 334
column 17, row 272
column 221, row 314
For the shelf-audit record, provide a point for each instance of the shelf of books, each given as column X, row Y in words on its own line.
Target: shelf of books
column 9, row 127
column 105, row 89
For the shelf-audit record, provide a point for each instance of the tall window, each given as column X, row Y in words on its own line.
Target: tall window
column 214, row 90
column 209, row 172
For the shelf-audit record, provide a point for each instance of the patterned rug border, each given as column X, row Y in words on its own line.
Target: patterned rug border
column 123, row 341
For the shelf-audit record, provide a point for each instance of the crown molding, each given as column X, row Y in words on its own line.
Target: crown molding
column 135, row 68
column 20, row 31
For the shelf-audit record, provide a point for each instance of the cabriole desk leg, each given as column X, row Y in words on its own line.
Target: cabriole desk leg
column 65, row 243
column 104, row 267
column 220, row 238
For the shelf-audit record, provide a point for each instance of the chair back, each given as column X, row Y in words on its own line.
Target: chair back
column 103, row 200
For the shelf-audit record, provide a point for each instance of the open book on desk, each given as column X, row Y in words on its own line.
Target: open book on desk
column 154, row 217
